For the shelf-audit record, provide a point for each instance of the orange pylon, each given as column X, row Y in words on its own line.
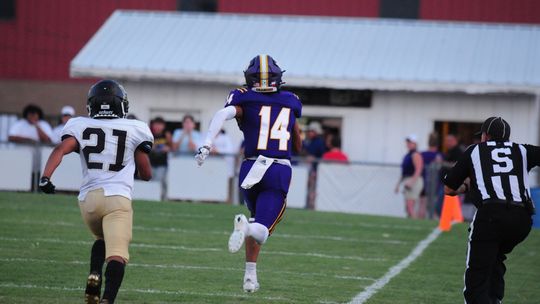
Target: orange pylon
column 451, row 212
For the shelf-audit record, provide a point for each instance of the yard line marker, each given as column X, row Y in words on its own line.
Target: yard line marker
column 321, row 255
column 145, row 291
column 366, row 225
column 372, row 289
column 181, row 230
column 180, row 266
column 197, row 249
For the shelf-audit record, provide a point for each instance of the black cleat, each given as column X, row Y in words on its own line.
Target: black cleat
column 93, row 288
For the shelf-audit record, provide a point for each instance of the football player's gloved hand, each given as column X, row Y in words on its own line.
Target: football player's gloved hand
column 202, row 154
column 46, row 186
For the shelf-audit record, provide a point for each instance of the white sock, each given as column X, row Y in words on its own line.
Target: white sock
column 259, row 232
column 251, row 270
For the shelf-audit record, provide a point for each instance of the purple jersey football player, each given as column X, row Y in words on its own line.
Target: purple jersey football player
column 267, row 117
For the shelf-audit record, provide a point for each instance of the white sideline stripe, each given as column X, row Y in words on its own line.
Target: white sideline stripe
column 196, row 249
column 180, row 230
column 191, row 267
column 372, row 289
column 147, row 291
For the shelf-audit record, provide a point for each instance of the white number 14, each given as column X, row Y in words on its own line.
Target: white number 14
column 278, row 130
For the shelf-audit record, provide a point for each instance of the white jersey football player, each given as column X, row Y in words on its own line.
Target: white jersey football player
column 113, row 150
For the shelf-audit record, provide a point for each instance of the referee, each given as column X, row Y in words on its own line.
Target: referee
column 495, row 171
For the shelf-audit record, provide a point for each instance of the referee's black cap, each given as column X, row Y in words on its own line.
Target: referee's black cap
column 497, row 128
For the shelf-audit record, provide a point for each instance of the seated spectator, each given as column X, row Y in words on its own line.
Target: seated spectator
column 187, row 139
column 66, row 113
column 162, row 146
column 334, row 153
column 31, row 128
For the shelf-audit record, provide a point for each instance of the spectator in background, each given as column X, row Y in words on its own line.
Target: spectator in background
column 31, row 128
column 468, row 209
column 187, row 139
column 314, row 144
column 314, row 148
column 334, row 152
column 452, row 155
column 411, row 176
column 66, row 113
column 453, row 150
column 162, row 146
column 223, row 145
column 431, row 174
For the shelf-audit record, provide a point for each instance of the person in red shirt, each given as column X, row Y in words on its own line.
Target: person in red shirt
column 334, row 153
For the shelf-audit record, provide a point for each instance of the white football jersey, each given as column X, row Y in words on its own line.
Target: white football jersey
column 107, row 150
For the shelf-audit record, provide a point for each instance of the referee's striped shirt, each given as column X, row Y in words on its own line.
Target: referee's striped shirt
column 498, row 171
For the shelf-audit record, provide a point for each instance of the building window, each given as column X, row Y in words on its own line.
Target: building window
column 7, row 9
column 197, row 5
column 405, row 9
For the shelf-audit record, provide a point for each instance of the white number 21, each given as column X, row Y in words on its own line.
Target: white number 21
column 278, row 130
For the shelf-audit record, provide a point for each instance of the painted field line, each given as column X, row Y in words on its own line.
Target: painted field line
column 146, row 291
column 372, row 289
column 327, row 256
column 196, row 249
column 215, row 232
column 190, row 267
column 364, row 225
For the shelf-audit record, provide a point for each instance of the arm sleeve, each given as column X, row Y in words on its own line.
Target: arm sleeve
column 533, row 156
column 145, row 139
column 457, row 175
column 220, row 117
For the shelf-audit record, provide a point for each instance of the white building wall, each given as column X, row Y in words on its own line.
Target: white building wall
column 377, row 134
column 373, row 134
column 173, row 100
column 398, row 114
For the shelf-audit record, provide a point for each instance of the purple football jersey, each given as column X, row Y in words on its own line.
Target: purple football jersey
column 267, row 122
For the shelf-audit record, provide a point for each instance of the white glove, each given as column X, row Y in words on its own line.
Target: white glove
column 202, row 154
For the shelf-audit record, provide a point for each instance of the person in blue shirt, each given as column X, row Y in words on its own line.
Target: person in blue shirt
column 411, row 176
column 268, row 117
column 314, row 144
column 187, row 139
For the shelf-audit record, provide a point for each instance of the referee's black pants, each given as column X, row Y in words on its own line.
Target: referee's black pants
column 494, row 232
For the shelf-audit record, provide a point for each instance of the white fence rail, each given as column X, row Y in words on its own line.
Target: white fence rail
column 366, row 189
column 17, row 168
column 352, row 188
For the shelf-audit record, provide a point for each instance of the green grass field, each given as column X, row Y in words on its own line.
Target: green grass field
column 179, row 255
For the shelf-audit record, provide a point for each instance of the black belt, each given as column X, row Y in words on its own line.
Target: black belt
column 493, row 202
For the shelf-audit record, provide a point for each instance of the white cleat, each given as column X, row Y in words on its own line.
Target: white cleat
column 236, row 240
column 251, row 285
